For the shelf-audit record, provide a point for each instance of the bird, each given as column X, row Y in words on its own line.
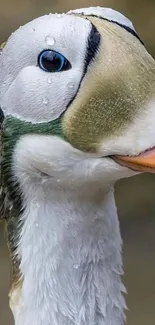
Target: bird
column 77, row 94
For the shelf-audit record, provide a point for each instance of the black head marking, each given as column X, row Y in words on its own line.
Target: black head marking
column 94, row 39
column 127, row 28
column 93, row 44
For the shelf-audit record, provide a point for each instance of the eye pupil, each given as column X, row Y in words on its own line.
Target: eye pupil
column 51, row 61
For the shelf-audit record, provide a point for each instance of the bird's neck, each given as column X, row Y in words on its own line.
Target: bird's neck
column 71, row 265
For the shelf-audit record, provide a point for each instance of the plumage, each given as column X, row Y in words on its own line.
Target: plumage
column 77, row 92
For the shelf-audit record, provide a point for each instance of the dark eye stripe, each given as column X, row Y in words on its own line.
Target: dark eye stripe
column 127, row 28
column 93, row 44
column 92, row 47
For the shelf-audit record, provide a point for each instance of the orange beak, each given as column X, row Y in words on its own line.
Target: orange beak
column 145, row 162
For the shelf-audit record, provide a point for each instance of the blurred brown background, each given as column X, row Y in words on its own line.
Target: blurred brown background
column 135, row 197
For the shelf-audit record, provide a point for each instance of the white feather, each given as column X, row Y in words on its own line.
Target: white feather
column 43, row 96
column 70, row 245
column 107, row 13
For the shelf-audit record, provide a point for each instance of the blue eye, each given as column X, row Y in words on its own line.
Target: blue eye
column 51, row 61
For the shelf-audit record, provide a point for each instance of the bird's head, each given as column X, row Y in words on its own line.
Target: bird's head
column 78, row 94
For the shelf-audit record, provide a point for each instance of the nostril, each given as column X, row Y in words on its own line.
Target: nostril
column 1, row 116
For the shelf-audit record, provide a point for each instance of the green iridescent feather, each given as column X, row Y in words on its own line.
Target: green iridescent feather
column 10, row 195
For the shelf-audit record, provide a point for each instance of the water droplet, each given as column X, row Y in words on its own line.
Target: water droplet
column 58, row 15
column 59, row 184
column 50, row 40
column 36, row 224
column 43, row 180
column 34, row 29
column 76, row 266
column 45, row 101
column 71, row 85
column 49, row 80
column 36, row 204
column 22, row 304
column 9, row 130
column 10, row 206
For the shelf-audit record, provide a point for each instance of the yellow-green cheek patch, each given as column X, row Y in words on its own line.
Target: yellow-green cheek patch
column 116, row 87
column 105, row 114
